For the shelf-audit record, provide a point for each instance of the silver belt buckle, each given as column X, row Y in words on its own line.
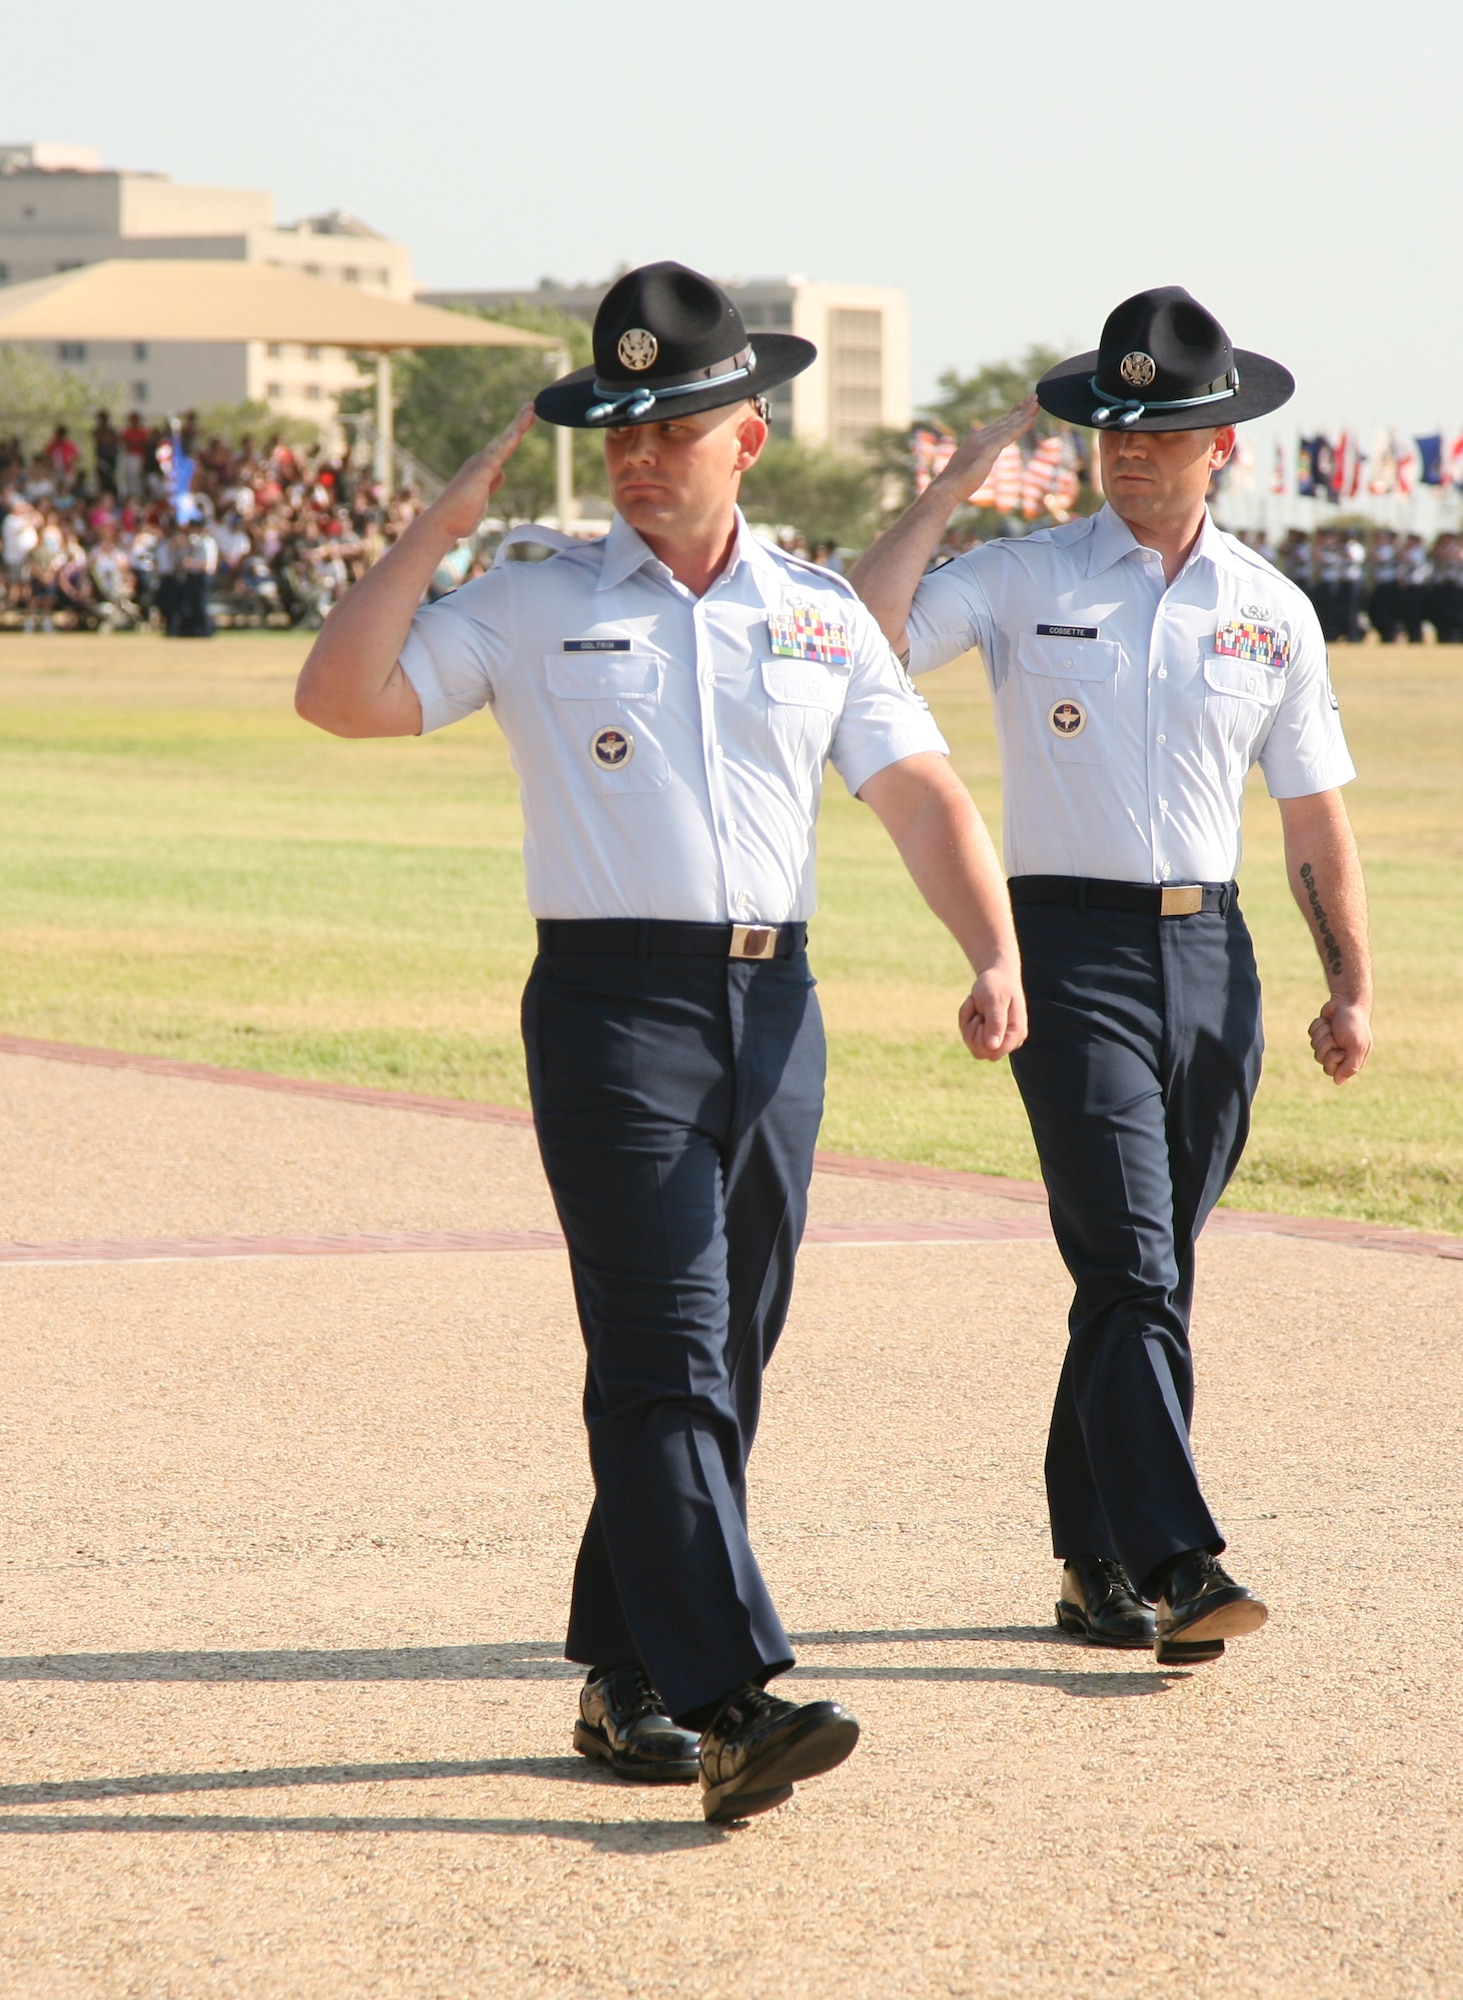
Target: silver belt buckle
column 753, row 941
column 1181, row 902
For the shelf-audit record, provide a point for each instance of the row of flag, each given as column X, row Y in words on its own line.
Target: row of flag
column 1042, row 482
column 1344, row 469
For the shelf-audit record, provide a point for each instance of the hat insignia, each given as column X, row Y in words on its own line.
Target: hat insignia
column 1137, row 369
column 638, row 348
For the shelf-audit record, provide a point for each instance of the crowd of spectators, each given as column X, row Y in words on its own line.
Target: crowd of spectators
column 91, row 536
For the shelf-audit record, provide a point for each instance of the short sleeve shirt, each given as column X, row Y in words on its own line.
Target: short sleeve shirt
column 669, row 748
column 1130, row 711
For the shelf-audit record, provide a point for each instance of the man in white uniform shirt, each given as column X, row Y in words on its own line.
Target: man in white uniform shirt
column 670, row 695
column 1140, row 663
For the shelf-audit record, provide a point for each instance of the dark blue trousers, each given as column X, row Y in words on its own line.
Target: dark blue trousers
column 1138, row 1075
column 677, row 1103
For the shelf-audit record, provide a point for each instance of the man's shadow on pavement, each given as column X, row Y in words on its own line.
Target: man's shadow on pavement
column 530, row 1661
column 540, row 1660
column 648, row 1836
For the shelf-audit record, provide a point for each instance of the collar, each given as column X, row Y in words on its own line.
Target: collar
column 625, row 552
column 1112, row 539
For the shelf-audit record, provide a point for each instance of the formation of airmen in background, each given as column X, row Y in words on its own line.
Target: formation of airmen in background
column 1399, row 585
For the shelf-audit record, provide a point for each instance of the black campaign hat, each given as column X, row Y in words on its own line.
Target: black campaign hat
column 667, row 343
column 1165, row 364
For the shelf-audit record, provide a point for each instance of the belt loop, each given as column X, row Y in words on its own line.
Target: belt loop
column 1224, row 898
column 642, row 938
column 546, row 936
column 1082, row 895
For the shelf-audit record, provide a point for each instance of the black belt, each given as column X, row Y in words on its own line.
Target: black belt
column 1085, row 892
column 663, row 937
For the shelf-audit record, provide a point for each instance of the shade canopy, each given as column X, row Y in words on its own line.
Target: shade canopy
column 196, row 298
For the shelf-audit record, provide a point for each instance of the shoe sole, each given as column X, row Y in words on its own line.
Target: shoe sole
column 1072, row 1620
column 589, row 1745
column 769, row 1781
column 1176, row 1653
column 1226, row 1621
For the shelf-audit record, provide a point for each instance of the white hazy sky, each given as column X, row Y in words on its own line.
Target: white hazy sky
column 1018, row 169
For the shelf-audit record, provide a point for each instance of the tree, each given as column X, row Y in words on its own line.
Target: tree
column 991, row 391
column 451, row 400
column 235, row 421
column 37, row 394
column 832, row 499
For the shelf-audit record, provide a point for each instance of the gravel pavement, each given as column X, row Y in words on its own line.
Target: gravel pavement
column 288, row 1539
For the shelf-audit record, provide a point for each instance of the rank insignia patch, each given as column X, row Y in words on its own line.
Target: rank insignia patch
column 1066, row 718
column 1260, row 645
column 804, row 634
column 611, row 749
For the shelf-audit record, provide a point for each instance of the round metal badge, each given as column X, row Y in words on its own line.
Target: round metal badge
column 611, row 749
column 1066, row 718
column 1137, row 369
column 638, row 348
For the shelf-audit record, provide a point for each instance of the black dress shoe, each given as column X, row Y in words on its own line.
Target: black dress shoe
column 1099, row 1603
column 623, row 1723
column 759, row 1747
column 1200, row 1607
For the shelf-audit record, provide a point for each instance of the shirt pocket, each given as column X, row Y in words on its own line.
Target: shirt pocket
column 1240, row 700
column 607, row 709
column 804, row 701
column 1068, row 697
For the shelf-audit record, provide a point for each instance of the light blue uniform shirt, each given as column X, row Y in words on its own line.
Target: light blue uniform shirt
column 670, row 763
column 1125, row 737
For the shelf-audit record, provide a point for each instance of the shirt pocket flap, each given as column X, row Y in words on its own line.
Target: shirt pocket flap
column 1246, row 678
column 1069, row 659
column 805, row 683
column 602, row 676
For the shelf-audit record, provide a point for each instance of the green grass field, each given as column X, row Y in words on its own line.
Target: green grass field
column 190, row 871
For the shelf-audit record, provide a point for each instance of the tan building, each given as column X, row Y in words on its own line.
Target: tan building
column 858, row 384
column 60, row 208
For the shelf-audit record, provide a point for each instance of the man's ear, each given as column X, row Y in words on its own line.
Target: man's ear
column 1222, row 449
column 752, row 435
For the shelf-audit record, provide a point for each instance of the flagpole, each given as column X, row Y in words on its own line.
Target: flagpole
column 385, row 465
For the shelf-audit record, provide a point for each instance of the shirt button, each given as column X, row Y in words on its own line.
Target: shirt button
column 1067, row 663
column 1167, row 871
column 1162, row 738
column 1163, row 673
column 1163, row 805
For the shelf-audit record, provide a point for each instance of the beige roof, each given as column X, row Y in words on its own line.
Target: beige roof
column 181, row 298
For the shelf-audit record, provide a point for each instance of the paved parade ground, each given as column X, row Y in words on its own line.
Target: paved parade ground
column 294, row 1476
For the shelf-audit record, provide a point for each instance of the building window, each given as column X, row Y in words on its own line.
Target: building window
column 312, row 353
column 139, row 392
column 312, row 392
column 313, row 270
column 383, row 279
column 275, row 349
column 71, row 350
column 139, row 350
column 4, row 274
column 855, row 375
column 273, row 391
column 351, row 275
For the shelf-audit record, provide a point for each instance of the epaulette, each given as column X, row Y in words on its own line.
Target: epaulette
column 827, row 576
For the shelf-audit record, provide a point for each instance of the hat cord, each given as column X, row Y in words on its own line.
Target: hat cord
column 640, row 402
column 1128, row 409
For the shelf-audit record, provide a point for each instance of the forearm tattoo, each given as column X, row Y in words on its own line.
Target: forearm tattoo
column 1330, row 950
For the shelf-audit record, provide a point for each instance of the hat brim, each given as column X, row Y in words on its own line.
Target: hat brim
column 780, row 356
column 1066, row 391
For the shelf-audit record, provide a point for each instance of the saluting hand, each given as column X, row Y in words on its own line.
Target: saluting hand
column 1341, row 1038
column 465, row 499
column 993, row 1017
column 969, row 468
